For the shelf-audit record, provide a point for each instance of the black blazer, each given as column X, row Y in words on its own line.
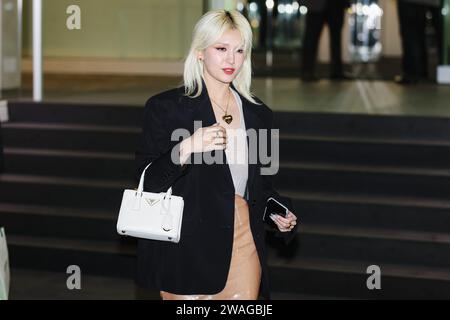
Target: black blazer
column 199, row 263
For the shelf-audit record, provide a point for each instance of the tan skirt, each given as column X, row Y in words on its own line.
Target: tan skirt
column 244, row 275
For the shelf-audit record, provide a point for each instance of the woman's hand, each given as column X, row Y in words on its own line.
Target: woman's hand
column 284, row 224
column 203, row 140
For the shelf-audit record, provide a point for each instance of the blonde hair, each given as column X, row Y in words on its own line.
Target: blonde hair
column 207, row 31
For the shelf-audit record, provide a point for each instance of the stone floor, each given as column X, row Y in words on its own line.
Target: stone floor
column 43, row 285
column 280, row 94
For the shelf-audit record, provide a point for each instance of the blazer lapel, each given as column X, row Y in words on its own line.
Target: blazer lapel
column 203, row 111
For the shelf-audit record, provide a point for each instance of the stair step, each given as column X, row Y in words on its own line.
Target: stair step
column 355, row 139
column 71, row 127
column 53, row 211
column 63, row 191
column 369, row 244
column 363, row 125
column 69, row 153
column 70, row 136
column 71, row 244
column 338, row 277
column 86, row 164
column 75, row 113
column 367, row 181
column 56, row 254
column 348, row 150
column 384, row 213
column 353, row 168
column 365, row 199
column 45, row 221
column 380, row 234
column 360, row 267
column 67, row 181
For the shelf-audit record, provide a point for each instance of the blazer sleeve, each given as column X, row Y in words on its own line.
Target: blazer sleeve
column 155, row 146
column 269, row 191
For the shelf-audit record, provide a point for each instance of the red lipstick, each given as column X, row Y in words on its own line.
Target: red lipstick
column 228, row 71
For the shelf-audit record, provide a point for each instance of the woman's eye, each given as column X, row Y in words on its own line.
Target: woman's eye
column 221, row 49
column 241, row 50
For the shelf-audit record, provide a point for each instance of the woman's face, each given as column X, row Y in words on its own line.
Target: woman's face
column 223, row 60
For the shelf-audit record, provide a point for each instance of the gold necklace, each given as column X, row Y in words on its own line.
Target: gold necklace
column 227, row 117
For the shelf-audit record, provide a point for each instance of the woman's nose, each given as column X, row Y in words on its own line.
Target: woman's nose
column 230, row 57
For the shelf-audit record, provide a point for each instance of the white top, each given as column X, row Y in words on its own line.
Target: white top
column 237, row 152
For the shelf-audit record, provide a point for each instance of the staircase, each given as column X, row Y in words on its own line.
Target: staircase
column 369, row 190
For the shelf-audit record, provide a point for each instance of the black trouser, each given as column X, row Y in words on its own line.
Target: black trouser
column 412, row 19
column 333, row 15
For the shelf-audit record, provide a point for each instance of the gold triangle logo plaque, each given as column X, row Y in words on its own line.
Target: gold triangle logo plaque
column 151, row 202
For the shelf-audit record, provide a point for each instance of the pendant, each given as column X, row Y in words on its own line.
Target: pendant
column 227, row 118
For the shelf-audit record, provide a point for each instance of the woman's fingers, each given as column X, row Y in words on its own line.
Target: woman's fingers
column 217, row 130
column 216, row 133
column 288, row 220
column 277, row 219
column 209, row 138
column 280, row 227
column 284, row 224
column 292, row 216
column 284, row 220
column 220, row 141
column 215, row 137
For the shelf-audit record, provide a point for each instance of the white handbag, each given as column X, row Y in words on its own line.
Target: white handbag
column 155, row 216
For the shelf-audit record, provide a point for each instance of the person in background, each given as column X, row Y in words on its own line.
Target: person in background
column 413, row 21
column 320, row 12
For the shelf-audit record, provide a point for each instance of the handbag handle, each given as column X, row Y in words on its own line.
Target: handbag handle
column 140, row 188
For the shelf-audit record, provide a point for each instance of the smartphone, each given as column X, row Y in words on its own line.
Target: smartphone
column 275, row 207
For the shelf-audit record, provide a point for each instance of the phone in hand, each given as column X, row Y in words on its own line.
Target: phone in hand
column 274, row 207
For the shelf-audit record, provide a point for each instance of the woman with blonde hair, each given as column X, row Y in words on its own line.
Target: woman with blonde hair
column 221, row 254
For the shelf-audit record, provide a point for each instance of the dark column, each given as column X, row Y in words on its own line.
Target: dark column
column 314, row 25
column 412, row 30
column 1, row 150
column 334, row 15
